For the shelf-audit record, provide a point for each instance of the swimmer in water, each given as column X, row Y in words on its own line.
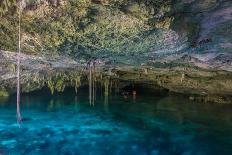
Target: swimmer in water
column 125, row 95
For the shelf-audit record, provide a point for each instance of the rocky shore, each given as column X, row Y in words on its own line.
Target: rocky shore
column 200, row 84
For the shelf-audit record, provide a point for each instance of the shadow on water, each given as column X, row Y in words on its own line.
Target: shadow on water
column 153, row 123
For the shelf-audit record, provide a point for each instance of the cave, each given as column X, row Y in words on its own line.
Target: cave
column 115, row 77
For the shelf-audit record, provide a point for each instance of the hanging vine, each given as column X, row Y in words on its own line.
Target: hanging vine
column 90, row 82
column 19, row 118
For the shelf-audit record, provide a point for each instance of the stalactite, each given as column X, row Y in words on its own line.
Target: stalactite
column 145, row 71
column 182, row 77
column 116, row 87
column 60, row 86
column 110, row 86
column 51, row 87
column 77, row 83
column 106, row 87
column 76, row 89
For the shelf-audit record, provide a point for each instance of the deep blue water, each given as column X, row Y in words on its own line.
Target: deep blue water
column 148, row 125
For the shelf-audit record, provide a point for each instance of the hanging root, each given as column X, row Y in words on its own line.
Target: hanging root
column 19, row 118
column 90, row 82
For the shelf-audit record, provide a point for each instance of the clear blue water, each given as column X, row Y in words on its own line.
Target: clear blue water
column 150, row 125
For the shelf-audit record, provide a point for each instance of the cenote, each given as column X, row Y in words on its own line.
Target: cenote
column 115, row 77
column 161, row 123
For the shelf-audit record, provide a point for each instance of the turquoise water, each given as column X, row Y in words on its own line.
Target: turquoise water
column 148, row 125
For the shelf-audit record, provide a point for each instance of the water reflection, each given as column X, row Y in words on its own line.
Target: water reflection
column 66, row 124
column 106, row 103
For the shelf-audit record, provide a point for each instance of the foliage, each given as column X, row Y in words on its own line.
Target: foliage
column 6, row 5
column 86, row 29
column 8, row 35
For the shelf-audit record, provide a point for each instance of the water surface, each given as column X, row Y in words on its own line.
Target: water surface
column 148, row 125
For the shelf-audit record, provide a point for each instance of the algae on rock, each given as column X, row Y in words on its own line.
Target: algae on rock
column 51, row 86
column 4, row 93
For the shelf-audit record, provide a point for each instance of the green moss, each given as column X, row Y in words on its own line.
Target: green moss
column 8, row 33
column 51, row 86
column 77, row 80
column 12, row 67
column 81, row 27
column 4, row 93
column 60, row 86
column 6, row 5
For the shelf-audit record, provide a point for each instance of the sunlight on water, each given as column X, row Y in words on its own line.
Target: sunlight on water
column 67, row 124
